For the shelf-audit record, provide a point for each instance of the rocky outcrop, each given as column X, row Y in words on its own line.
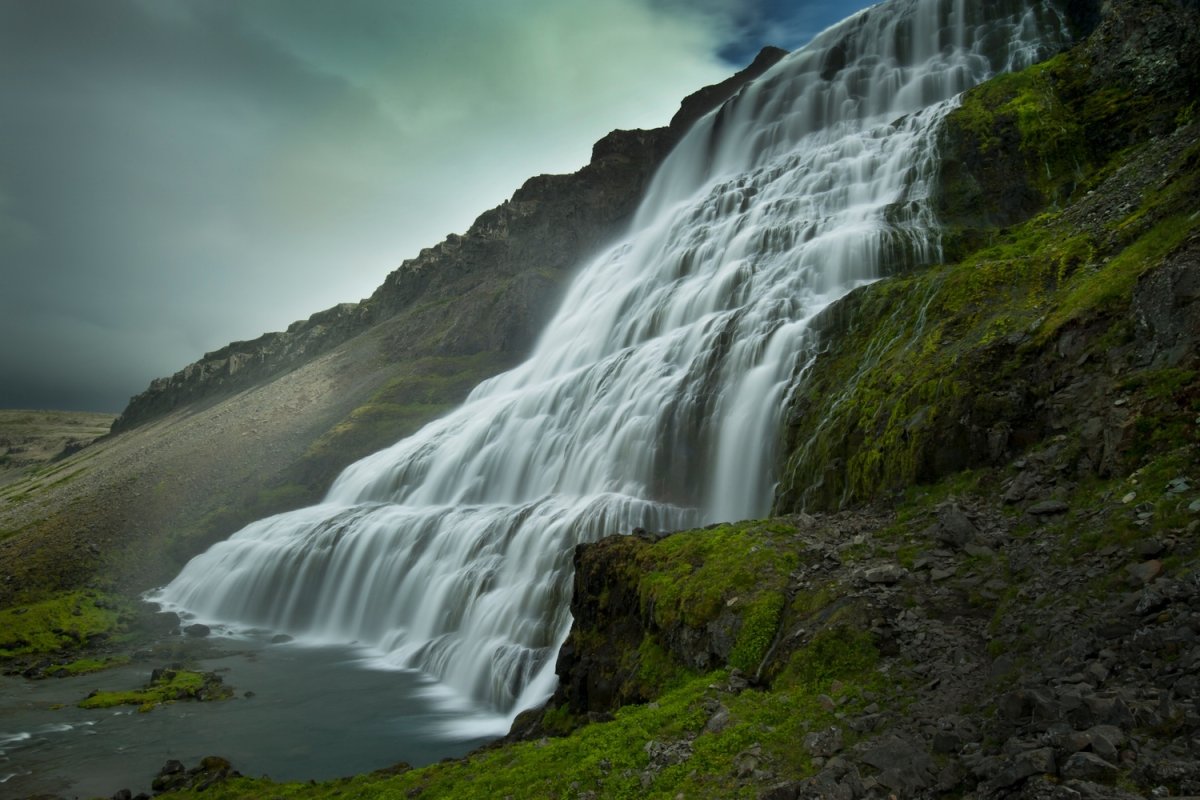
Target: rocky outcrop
column 489, row 290
column 1035, row 325
column 953, row 648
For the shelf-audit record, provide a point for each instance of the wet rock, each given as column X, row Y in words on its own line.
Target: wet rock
column 737, row 683
column 979, row 551
column 158, row 623
column 211, row 771
column 1088, row 767
column 173, row 775
column 789, row 790
column 1088, row 790
column 719, row 721
column 1154, row 598
column 1178, row 485
column 664, row 754
column 746, row 763
column 946, row 742
column 1022, row 486
column 1103, row 740
column 1149, row 548
column 281, row 638
column 197, row 630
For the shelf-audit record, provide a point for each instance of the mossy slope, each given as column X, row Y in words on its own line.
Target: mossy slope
column 958, row 365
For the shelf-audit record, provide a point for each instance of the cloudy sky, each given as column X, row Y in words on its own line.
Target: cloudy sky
column 179, row 174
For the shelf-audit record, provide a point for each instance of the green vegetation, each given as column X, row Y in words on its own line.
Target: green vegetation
column 691, row 577
column 32, row 439
column 86, row 666
column 166, row 686
column 930, row 359
column 656, row 750
column 1027, row 109
column 66, row 621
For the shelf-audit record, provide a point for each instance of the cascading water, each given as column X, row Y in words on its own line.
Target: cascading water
column 654, row 395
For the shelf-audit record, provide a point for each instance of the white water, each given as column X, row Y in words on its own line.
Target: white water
column 655, row 394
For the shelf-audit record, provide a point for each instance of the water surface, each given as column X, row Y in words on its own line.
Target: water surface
column 315, row 713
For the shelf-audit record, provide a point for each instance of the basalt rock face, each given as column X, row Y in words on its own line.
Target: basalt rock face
column 489, row 290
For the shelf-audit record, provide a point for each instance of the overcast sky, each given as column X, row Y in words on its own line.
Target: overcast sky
column 176, row 174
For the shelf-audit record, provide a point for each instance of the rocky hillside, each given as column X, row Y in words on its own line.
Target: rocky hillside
column 984, row 573
column 264, row 426
column 36, row 439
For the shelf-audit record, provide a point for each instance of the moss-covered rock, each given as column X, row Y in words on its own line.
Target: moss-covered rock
column 651, row 612
column 1015, row 339
column 66, row 622
column 166, row 685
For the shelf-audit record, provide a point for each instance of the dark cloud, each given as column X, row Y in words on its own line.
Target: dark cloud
column 177, row 174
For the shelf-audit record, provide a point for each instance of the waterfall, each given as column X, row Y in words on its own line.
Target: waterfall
column 654, row 396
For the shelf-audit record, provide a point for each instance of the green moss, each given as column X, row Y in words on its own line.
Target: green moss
column 915, row 361
column 760, row 621
column 86, row 666
column 1112, row 285
column 917, row 354
column 1050, row 133
column 167, row 687
column 692, row 577
column 833, row 654
column 65, row 621
column 657, row 671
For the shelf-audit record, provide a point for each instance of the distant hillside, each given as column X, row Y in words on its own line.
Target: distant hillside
column 33, row 438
